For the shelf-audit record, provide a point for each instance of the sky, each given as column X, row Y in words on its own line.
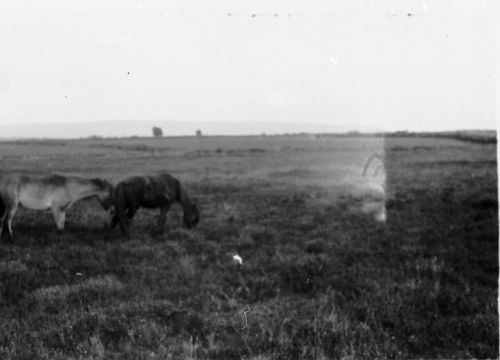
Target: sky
column 421, row 65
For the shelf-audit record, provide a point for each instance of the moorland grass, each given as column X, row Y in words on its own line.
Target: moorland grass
column 321, row 279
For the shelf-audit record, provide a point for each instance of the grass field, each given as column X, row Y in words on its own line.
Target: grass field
column 320, row 278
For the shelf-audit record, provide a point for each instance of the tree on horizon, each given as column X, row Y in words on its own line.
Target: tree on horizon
column 157, row 132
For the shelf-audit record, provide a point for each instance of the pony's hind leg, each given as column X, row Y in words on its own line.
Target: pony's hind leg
column 59, row 217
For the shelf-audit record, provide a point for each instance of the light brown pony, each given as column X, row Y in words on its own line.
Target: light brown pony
column 160, row 191
column 55, row 192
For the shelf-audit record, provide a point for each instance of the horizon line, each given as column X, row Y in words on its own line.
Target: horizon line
column 352, row 133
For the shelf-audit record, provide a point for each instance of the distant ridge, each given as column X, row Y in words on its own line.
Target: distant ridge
column 127, row 128
column 473, row 136
column 143, row 129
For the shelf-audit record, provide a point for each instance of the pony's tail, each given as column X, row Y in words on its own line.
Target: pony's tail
column 120, row 207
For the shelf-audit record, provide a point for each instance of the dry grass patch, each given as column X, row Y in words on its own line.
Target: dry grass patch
column 12, row 267
column 102, row 284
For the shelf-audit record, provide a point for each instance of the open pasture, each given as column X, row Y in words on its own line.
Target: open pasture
column 320, row 278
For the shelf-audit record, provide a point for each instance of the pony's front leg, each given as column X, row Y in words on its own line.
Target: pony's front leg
column 124, row 226
column 59, row 217
column 3, row 219
column 123, row 217
column 126, row 220
column 163, row 218
column 7, row 218
column 114, row 221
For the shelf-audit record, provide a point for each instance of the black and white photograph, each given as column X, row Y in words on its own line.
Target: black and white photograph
column 249, row 179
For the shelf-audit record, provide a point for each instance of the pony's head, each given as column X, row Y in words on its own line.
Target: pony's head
column 191, row 216
column 104, row 193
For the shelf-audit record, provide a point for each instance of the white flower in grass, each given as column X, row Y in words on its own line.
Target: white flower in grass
column 237, row 259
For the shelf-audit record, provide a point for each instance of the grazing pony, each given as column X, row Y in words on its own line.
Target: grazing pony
column 57, row 192
column 151, row 192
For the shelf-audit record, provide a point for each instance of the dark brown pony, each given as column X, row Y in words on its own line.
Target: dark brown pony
column 151, row 192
